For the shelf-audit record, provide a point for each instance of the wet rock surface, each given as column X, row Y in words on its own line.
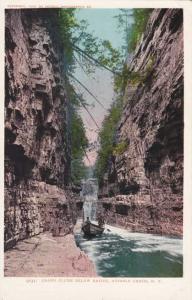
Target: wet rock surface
column 143, row 189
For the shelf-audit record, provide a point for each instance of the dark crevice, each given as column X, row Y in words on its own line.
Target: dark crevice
column 176, row 21
column 10, row 136
column 32, row 42
column 9, row 43
column 121, row 209
column 23, row 165
column 107, row 206
column 126, row 188
column 46, row 47
column 79, row 205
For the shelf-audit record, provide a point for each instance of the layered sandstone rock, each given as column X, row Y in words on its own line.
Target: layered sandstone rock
column 37, row 150
column 143, row 189
column 45, row 255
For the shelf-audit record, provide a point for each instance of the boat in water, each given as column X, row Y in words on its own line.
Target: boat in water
column 91, row 230
column 89, row 195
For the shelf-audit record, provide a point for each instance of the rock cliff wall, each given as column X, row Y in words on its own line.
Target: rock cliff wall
column 37, row 150
column 143, row 189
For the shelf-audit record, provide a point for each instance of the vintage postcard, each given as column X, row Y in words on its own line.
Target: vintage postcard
column 96, row 150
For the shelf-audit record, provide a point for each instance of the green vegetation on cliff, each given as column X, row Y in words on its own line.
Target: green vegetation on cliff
column 107, row 138
column 131, row 77
column 133, row 23
column 140, row 17
column 132, row 35
column 88, row 52
column 79, row 143
column 82, row 48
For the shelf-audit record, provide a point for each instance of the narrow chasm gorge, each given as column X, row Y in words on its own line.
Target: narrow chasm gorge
column 143, row 188
column 38, row 196
column 55, row 208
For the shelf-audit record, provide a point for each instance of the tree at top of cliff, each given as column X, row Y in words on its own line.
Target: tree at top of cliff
column 133, row 23
column 141, row 17
column 83, row 47
column 132, row 34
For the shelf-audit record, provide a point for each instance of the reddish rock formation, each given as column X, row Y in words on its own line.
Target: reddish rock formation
column 143, row 189
column 49, row 256
column 37, row 150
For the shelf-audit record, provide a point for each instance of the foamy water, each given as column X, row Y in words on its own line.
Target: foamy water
column 119, row 253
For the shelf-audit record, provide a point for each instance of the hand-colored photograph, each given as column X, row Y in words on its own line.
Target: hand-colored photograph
column 94, row 125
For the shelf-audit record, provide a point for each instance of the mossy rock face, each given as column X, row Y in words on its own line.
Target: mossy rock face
column 133, row 77
column 136, row 78
column 120, row 148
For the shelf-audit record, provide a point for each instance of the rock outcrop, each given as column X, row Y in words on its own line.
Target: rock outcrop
column 49, row 256
column 143, row 190
column 37, row 150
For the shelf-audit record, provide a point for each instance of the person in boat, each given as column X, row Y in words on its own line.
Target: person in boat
column 101, row 221
column 88, row 221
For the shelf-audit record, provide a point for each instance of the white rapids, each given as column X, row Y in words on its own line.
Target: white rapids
column 120, row 253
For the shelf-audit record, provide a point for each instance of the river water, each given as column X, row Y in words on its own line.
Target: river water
column 119, row 253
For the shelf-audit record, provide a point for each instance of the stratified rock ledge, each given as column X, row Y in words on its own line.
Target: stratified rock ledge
column 48, row 256
column 142, row 189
